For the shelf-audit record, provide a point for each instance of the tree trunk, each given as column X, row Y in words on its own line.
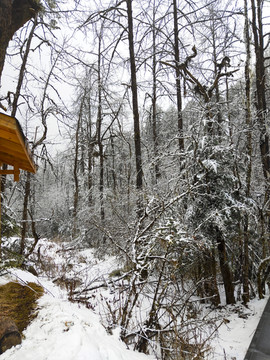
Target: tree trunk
column 257, row 28
column 217, row 93
column 25, row 212
column 245, row 267
column 13, row 15
column 210, row 276
column 154, row 98
column 75, row 173
column 22, row 69
column 177, row 80
column 224, row 267
column 90, row 162
column 136, row 118
column 99, row 136
column 113, row 172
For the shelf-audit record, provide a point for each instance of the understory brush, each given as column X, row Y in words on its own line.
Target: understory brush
column 156, row 314
column 154, row 307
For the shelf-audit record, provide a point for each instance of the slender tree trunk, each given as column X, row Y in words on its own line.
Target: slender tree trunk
column 177, row 80
column 90, row 164
column 257, row 28
column 75, row 173
column 101, row 181
column 224, row 267
column 113, row 172
column 136, row 118
column 245, row 268
column 217, row 94
column 99, row 136
column 258, row 36
column 154, row 97
column 23, row 67
column 25, row 211
column 210, row 276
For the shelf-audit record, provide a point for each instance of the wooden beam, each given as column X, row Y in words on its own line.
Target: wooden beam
column 15, row 172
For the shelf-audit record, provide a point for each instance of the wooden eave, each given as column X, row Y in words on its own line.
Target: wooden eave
column 14, row 149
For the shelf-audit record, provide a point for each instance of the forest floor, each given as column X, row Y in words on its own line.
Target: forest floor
column 67, row 330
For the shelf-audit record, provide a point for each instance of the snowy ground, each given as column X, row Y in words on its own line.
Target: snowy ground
column 234, row 336
column 67, row 331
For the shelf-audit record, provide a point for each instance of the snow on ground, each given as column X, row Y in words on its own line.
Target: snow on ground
column 237, row 330
column 67, row 331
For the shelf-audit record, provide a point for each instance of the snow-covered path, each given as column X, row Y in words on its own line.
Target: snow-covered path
column 65, row 331
column 69, row 331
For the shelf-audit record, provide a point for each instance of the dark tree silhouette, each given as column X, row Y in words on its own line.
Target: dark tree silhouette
column 13, row 15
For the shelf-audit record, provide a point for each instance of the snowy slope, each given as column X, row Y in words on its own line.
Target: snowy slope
column 68, row 331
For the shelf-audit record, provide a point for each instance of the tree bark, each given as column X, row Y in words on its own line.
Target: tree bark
column 257, row 28
column 136, row 118
column 210, row 276
column 75, row 172
column 13, row 15
column 177, row 80
column 22, row 69
column 224, row 267
column 154, row 99
column 245, row 267
column 99, row 135
column 25, row 212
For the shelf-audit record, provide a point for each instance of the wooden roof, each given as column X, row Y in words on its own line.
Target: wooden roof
column 14, row 150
